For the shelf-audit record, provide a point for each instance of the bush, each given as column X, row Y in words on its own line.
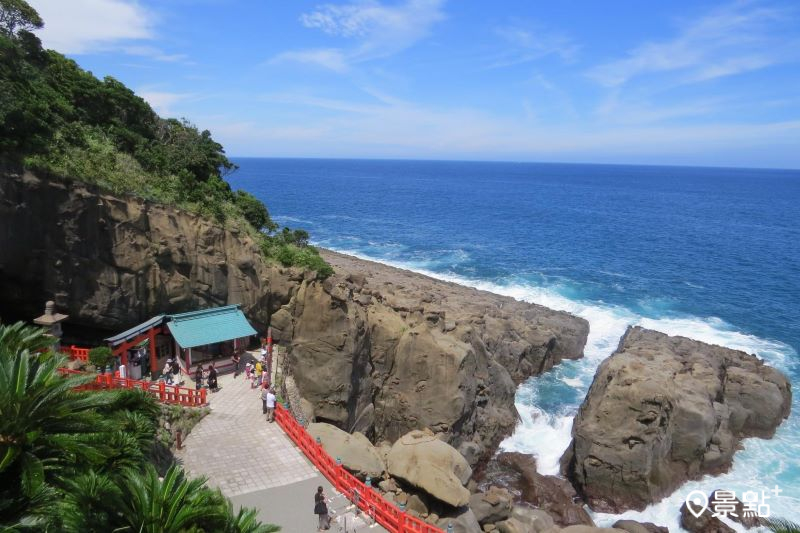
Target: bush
column 100, row 356
column 254, row 211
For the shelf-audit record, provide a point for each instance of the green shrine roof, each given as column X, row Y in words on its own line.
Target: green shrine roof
column 209, row 326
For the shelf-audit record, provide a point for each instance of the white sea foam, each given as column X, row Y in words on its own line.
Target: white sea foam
column 547, row 434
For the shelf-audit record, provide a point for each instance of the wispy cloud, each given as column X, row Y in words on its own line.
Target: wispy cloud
column 392, row 127
column 377, row 30
column 85, row 26
column 163, row 101
column 328, row 58
column 526, row 42
column 155, row 53
column 730, row 40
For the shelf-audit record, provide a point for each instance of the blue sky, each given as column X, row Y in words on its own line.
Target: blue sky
column 679, row 82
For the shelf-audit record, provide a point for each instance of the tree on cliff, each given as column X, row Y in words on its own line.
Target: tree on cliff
column 58, row 119
column 80, row 460
column 18, row 15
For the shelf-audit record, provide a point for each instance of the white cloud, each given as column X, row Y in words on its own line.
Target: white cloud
column 526, row 42
column 389, row 127
column 155, row 53
column 329, row 58
column 84, row 26
column 377, row 30
column 163, row 101
column 736, row 38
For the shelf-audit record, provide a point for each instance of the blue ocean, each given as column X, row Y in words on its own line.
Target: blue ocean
column 708, row 253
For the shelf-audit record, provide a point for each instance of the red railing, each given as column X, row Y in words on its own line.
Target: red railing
column 367, row 498
column 81, row 354
column 162, row 392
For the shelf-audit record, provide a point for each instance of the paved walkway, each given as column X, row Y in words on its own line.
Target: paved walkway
column 255, row 464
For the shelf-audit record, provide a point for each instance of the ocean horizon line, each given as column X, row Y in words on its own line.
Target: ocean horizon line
column 516, row 162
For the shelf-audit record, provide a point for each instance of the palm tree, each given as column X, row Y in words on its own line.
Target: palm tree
column 46, row 428
column 173, row 504
column 246, row 521
column 77, row 460
column 779, row 525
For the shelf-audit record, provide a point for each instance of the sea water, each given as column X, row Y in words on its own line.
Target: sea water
column 708, row 253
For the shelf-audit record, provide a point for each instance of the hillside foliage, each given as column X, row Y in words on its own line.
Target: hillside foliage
column 58, row 119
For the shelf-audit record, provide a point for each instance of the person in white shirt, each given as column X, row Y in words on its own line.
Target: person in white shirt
column 270, row 399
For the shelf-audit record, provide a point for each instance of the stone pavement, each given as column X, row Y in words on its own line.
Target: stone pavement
column 237, row 449
column 255, row 464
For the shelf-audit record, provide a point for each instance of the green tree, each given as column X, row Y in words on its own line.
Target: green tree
column 254, row 211
column 16, row 15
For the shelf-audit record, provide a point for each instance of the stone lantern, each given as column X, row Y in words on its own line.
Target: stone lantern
column 51, row 321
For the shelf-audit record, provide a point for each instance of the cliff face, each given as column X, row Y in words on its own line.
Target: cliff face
column 112, row 262
column 383, row 351
column 374, row 349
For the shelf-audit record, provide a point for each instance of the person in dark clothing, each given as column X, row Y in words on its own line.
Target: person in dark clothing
column 321, row 510
column 198, row 377
column 212, row 378
column 236, row 361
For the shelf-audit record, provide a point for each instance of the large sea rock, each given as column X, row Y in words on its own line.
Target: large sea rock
column 663, row 410
column 374, row 349
column 423, row 461
column 356, row 452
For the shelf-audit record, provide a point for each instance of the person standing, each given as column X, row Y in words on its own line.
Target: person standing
column 167, row 372
column 198, row 377
column 321, row 510
column 270, row 405
column 258, row 373
column 236, row 361
column 212, row 378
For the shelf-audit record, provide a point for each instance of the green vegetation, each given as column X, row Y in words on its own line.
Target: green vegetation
column 780, row 525
column 100, row 356
column 58, row 119
column 82, row 460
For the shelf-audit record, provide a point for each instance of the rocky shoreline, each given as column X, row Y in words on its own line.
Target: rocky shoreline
column 414, row 376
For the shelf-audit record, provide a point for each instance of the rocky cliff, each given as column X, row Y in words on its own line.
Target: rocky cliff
column 662, row 410
column 374, row 349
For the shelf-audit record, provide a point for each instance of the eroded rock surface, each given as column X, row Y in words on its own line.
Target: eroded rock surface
column 374, row 349
column 662, row 410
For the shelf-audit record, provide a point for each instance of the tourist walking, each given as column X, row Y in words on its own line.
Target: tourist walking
column 236, row 361
column 248, row 369
column 212, row 378
column 270, row 404
column 321, row 510
column 198, row 377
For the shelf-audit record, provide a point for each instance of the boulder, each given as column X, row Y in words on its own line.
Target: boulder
column 491, row 506
column 511, row 525
column 357, row 453
column 705, row 523
column 536, row 520
column 549, row 493
column 416, row 504
column 632, row 526
column 463, row 521
column 590, row 529
column 663, row 410
column 427, row 463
